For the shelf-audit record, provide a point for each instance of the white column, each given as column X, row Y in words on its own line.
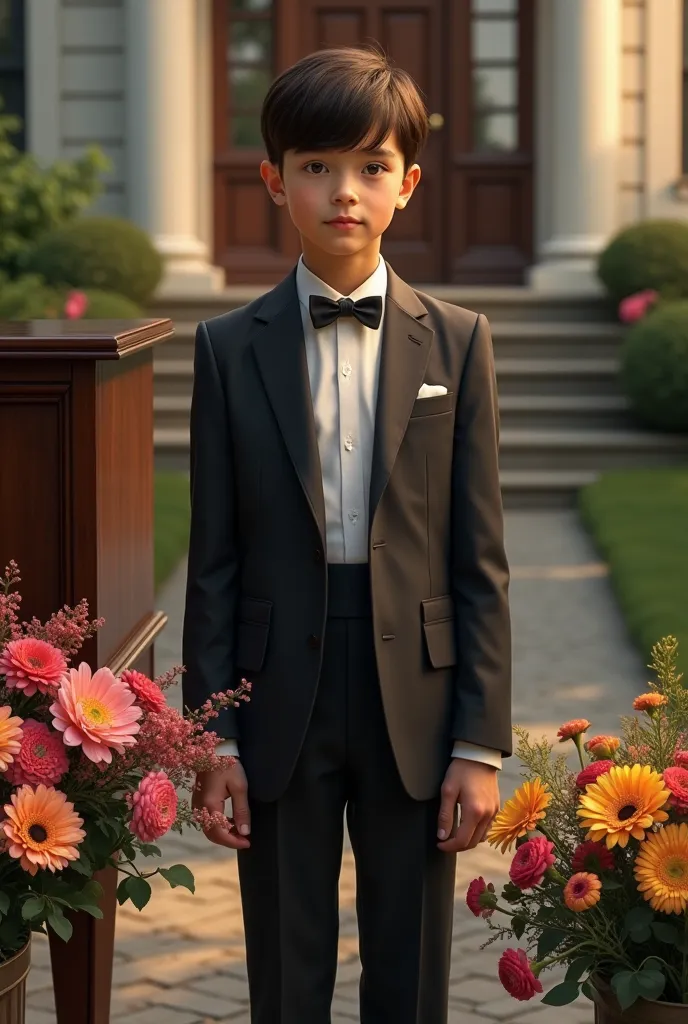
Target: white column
column 585, row 138
column 162, row 139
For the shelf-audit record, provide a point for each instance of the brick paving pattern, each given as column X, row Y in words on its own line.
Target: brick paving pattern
column 181, row 961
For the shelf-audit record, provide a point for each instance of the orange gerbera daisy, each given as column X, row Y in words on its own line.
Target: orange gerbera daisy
column 661, row 869
column 10, row 737
column 601, row 748
column 624, row 802
column 42, row 828
column 569, row 730
column 582, row 891
column 649, row 701
column 520, row 814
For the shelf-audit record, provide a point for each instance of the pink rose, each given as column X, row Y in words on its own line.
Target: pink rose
column 75, row 305
column 475, row 900
column 634, row 307
column 516, row 975
column 531, row 861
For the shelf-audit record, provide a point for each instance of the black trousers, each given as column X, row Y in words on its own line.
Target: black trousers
column 289, row 876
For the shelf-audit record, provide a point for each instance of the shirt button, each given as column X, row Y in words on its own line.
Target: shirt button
column 353, row 515
column 346, row 368
column 349, row 443
column 313, row 641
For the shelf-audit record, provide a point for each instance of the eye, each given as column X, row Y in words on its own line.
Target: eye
column 315, row 166
column 374, row 169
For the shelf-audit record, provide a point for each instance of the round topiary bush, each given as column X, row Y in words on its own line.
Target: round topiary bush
column 106, row 253
column 655, row 367
column 109, row 306
column 650, row 254
column 30, row 298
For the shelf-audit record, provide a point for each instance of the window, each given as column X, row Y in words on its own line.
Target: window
column 249, row 66
column 12, row 63
column 495, row 52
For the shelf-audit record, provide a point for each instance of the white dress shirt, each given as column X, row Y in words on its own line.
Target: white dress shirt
column 343, row 368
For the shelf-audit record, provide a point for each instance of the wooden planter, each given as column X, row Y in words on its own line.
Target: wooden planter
column 13, row 986
column 643, row 1011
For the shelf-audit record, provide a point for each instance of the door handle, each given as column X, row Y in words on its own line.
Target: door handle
column 436, row 121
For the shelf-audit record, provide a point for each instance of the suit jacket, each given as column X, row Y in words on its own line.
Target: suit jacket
column 256, row 600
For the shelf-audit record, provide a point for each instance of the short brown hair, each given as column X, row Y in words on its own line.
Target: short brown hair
column 344, row 99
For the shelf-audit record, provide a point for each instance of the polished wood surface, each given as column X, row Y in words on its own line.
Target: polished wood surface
column 76, row 494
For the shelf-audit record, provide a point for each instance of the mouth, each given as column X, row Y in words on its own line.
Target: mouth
column 344, row 222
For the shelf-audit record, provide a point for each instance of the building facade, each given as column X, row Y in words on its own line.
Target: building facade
column 554, row 123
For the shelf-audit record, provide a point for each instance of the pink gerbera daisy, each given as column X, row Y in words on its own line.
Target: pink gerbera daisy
column 97, row 712
column 148, row 694
column 155, row 807
column 32, row 665
column 42, row 757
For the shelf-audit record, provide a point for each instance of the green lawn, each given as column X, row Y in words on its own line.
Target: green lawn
column 171, row 522
column 639, row 520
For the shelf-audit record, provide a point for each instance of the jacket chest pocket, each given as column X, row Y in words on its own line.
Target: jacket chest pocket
column 253, row 629
column 439, row 626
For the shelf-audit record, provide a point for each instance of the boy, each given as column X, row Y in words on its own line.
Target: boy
column 347, row 557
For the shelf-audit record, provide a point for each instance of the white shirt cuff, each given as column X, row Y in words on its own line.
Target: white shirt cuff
column 227, row 748
column 474, row 752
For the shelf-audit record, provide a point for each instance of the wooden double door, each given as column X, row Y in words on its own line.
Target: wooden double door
column 470, row 220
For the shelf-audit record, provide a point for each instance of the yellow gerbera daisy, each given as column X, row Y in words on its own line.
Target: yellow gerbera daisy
column 661, row 869
column 624, row 802
column 520, row 814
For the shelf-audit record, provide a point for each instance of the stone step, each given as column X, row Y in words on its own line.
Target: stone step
column 592, row 450
column 537, row 489
column 496, row 303
column 539, row 411
column 513, row 339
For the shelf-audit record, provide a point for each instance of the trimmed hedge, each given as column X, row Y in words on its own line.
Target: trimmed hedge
column 654, row 367
column 30, row 298
column 650, row 254
column 106, row 253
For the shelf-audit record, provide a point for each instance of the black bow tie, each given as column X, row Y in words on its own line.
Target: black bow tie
column 325, row 311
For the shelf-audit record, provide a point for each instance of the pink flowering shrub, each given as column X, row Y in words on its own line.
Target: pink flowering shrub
column 90, row 769
column 634, row 307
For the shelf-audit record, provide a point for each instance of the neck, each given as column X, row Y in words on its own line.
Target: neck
column 343, row 273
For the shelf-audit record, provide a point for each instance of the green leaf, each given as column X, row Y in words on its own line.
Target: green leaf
column 179, row 874
column 60, row 925
column 579, row 966
column 609, row 884
column 4, row 903
column 139, row 891
column 638, row 917
column 666, row 932
column 93, row 891
column 650, row 983
column 511, row 893
column 83, row 865
column 625, row 988
column 518, row 926
column 34, row 907
column 587, row 990
column 640, row 934
column 122, row 891
column 562, row 994
column 150, row 850
column 548, row 941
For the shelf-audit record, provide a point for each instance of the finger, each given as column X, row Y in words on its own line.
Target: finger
column 470, row 820
column 221, row 837
column 240, row 809
column 447, row 812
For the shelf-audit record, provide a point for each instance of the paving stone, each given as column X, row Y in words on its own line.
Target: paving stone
column 225, row 987
column 38, row 1016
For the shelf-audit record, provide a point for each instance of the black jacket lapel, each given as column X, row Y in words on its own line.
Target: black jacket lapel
column 406, row 342
column 281, row 355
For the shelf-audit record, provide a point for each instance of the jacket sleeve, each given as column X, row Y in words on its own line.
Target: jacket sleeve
column 212, row 579
column 480, row 573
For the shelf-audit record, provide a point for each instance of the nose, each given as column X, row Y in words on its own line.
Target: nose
column 344, row 192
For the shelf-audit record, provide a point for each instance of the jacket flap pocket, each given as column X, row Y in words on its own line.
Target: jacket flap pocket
column 253, row 630
column 432, row 405
column 255, row 609
column 435, row 608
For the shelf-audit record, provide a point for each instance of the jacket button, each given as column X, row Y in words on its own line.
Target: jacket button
column 318, row 555
column 313, row 641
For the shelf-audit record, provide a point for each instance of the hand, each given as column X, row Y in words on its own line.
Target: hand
column 211, row 791
column 474, row 786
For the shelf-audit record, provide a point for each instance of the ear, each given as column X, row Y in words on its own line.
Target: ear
column 409, row 183
column 273, row 182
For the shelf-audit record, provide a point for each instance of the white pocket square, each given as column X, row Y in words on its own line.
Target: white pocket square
column 430, row 390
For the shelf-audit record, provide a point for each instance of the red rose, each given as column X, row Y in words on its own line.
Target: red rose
column 516, row 975
column 592, row 773
column 592, row 856
column 531, row 861
column 473, row 897
column 676, row 780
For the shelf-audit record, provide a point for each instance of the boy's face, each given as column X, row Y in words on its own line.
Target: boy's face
column 340, row 201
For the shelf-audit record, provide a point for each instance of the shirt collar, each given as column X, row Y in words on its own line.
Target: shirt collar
column 308, row 284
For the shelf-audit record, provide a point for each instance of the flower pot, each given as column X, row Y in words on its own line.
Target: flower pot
column 643, row 1011
column 13, row 974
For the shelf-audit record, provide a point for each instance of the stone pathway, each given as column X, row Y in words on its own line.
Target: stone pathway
column 181, row 961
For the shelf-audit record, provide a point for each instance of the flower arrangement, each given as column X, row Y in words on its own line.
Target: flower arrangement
column 90, row 765
column 599, row 878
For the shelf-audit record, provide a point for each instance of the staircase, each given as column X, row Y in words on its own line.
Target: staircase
column 563, row 416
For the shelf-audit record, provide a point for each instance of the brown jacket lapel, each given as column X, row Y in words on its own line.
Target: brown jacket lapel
column 281, row 354
column 406, row 342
